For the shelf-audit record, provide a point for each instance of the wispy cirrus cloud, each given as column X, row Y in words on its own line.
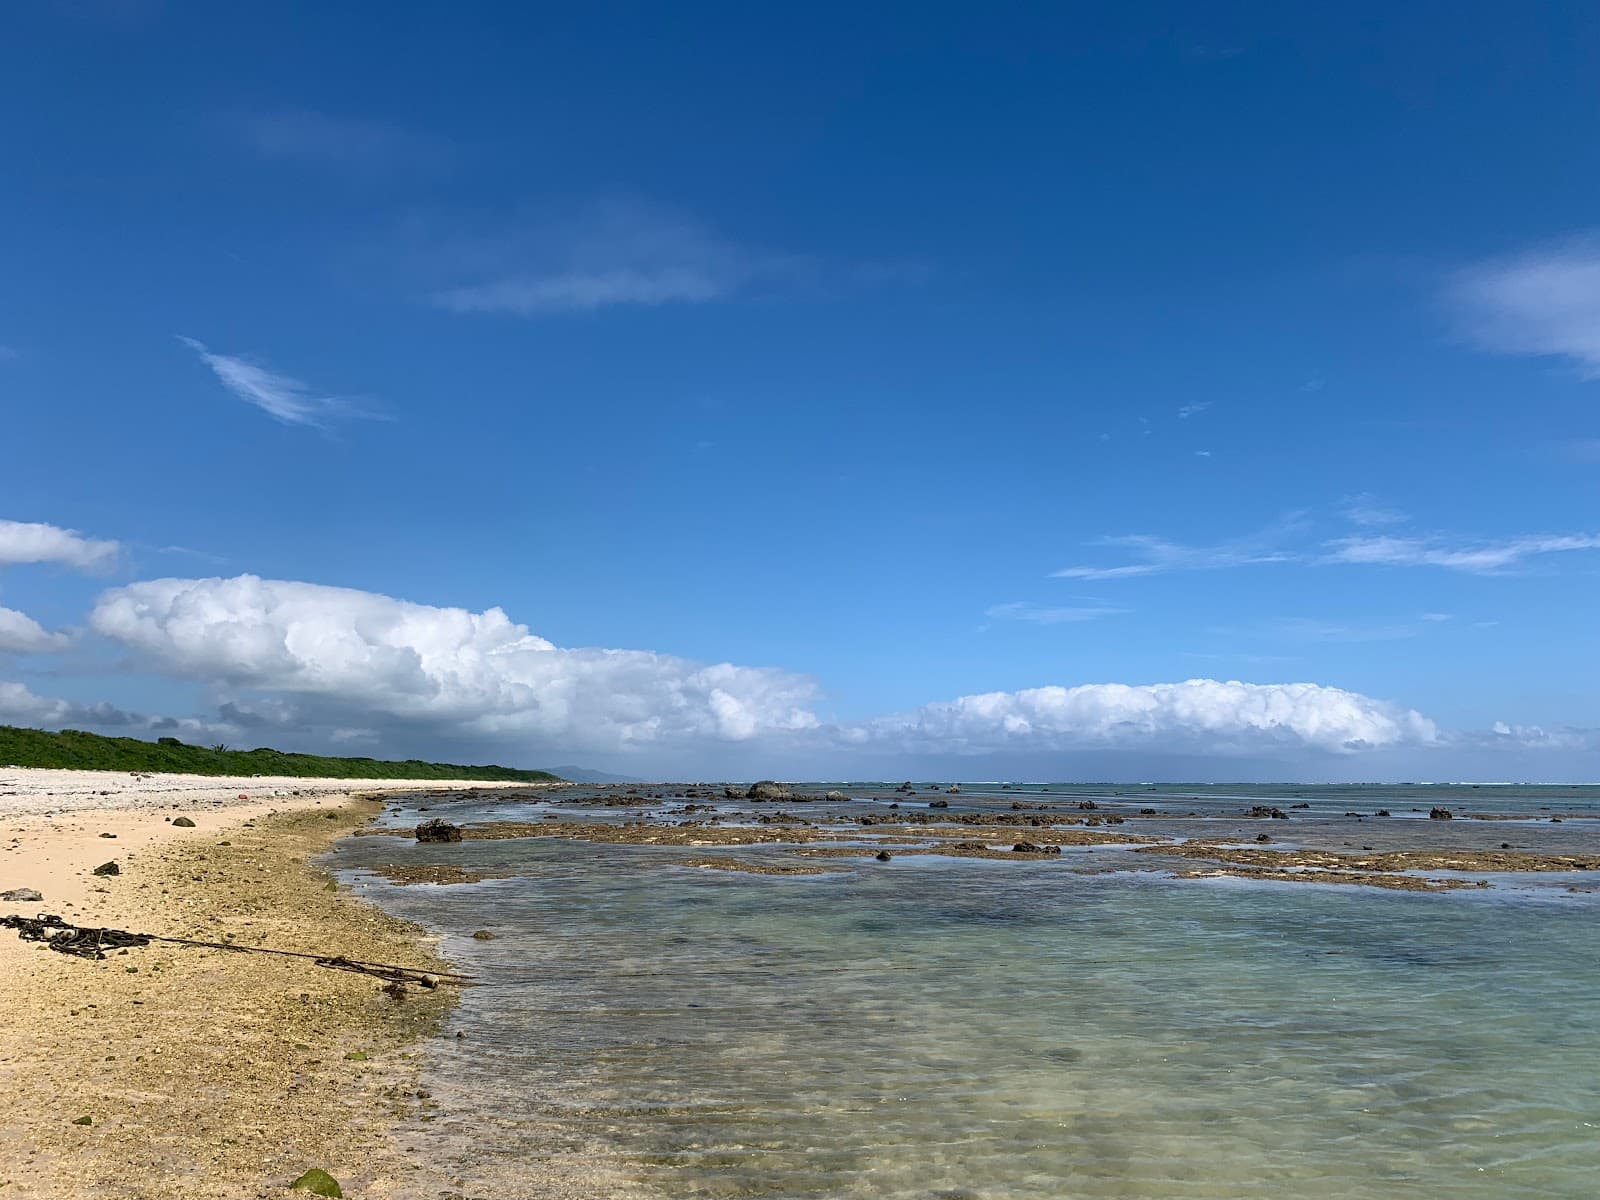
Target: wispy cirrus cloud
column 1482, row 558
column 1542, row 302
column 279, row 396
column 35, row 542
column 1158, row 556
column 1193, row 410
column 348, row 145
column 1044, row 614
column 608, row 256
column 1367, row 509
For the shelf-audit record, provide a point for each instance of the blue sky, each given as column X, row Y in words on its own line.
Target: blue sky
column 964, row 377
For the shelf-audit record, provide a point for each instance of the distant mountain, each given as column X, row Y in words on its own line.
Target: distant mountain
column 584, row 775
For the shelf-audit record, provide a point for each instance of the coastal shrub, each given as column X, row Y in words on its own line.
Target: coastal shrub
column 74, row 749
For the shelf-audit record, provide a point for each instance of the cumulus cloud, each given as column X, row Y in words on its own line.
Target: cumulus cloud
column 472, row 674
column 20, row 706
column 21, row 634
column 32, row 542
column 369, row 663
column 1543, row 302
column 1199, row 713
column 280, row 396
column 1484, row 558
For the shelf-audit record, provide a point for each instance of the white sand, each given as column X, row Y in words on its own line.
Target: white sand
column 30, row 791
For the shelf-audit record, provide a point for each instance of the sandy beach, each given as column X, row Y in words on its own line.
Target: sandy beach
column 177, row 1071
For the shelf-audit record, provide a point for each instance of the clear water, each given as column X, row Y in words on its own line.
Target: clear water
column 955, row 1028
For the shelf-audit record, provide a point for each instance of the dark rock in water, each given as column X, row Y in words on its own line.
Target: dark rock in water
column 1087, row 805
column 953, row 790
column 1302, row 804
column 883, row 856
column 1030, row 848
column 905, row 787
column 836, row 797
column 438, row 830
column 1147, row 812
column 107, row 868
column 319, row 1183
column 1440, row 814
column 895, row 805
column 938, row 804
column 1261, row 837
column 1382, row 812
column 483, row 935
column 732, row 793
column 182, row 823
column 767, row 789
column 22, row 896
column 1264, row 810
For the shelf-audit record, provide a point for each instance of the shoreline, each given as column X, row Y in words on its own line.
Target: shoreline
column 204, row 1071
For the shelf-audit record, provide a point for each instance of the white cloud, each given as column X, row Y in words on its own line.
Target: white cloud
column 33, row 542
column 1542, row 302
column 1160, row 556
column 19, row 706
column 1485, row 558
column 21, row 634
column 1191, row 410
column 280, row 396
column 1536, row 737
column 1040, row 614
column 1367, row 509
column 610, row 255
column 465, row 673
column 361, row 661
column 1200, row 713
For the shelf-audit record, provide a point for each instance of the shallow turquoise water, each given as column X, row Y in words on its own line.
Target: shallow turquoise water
column 939, row 1028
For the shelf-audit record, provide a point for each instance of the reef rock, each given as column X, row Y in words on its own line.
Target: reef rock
column 438, row 830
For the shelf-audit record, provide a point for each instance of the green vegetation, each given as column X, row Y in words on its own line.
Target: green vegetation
column 76, row 750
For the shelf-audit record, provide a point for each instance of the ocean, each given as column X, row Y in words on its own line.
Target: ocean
column 1091, row 1025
